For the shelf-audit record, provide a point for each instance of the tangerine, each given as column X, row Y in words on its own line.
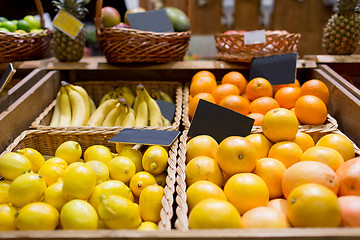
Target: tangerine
column 340, row 143
column 235, row 78
column 236, row 103
column 326, row 155
column 263, row 105
column 277, row 87
column 258, row 117
column 258, row 87
column 304, row 140
column 203, row 83
column 286, row 152
column 311, row 110
column 316, row 88
column 287, row 96
column 225, row 89
column 195, row 100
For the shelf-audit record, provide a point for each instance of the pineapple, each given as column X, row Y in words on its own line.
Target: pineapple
column 65, row 48
column 341, row 33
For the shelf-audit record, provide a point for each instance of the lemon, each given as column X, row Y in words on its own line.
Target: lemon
column 70, row 151
column 57, row 160
column 141, row 180
column 101, row 225
column 161, row 179
column 37, row 216
column 27, row 188
column 122, row 168
column 120, row 146
column 4, row 191
column 36, row 159
column 51, row 172
column 54, row 195
column 150, row 203
column 101, row 170
column 13, row 164
column 118, row 212
column 155, row 159
column 72, row 165
column 7, row 217
column 147, row 226
column 99, row 153
column 78, row 214
column 79, row 182
column 134, row 155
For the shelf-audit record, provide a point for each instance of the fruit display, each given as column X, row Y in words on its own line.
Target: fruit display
column 29, row 24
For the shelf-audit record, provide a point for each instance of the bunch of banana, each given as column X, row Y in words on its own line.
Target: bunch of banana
column 119, row 92
column 73, row 106
column 160, row 95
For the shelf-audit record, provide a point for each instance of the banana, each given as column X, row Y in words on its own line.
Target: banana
column 97, row 118
column 129, row 120
column 107, row 96
column 126, row 93
column 136, row 102
column 110, row 119
column 92, row 106
column 86, row 100
column 78, row 107
column 123, row 105
column 65, row 110
column 155, row 115
column 142, row 111
column 165, row 96
column 166, row 122
column 56, row 114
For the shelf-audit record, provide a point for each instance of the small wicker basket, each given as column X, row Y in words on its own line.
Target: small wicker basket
column 231, row 47
column 26, row 46
column 123, row 45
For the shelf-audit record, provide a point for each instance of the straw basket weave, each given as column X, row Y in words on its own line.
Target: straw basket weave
column 123, row 45
column 18, row 47
column 231, row 47
column 46, row 142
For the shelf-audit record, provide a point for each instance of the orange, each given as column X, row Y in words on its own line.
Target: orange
column 258, row 117
column 271, row 171
column 316, row 88
column 348, row 174
column 236, row 103
column 350, row 210
column 326, row 155
column 195, row 100
column 287, row 96
column 263, row 105
column 258, row 87
column 280, row 124
column 277, row 87
column 201, row 145
column 313, row 205
column 310, row 109
column 204, row 83
column 246, row 191
column 201, row 74
column 203, row 168
column 222, row 90
column 264, row 217
column 279, row 204
column 293, row 111
column 338, row 142
column 235, row 78
column 304, row 140
column 236, row 154
column 261, row 143
column 309, row 172
column 286, row 152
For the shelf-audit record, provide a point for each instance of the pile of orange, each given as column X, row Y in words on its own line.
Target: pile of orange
column 256, row 97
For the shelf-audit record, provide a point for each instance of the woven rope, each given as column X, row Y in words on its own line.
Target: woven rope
column 231, row 47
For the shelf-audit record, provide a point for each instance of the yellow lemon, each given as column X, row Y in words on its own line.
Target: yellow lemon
column 78, row 214
column 140, row 180
column 27, row 188
column 134, row 155
column 70, row 151
column 155, row 159
column 150, row 203
column 161, row 179
column 120, row 146
column 147, row 226
column 36, row 159
column 74, row 164
column 4, row 191
column 54, row 195
column 122, row 168
column 7, row 217
column 37, row 216
column 51, row 172
column 202, row 145
column 99, row 153
column 101, row 170
column 13, row 164
column 57, row 160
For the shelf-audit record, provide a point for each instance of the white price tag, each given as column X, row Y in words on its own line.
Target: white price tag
column 254, row 37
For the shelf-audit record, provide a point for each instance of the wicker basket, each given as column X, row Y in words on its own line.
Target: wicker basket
column 18, row 47
column 231, row 47
column 96, row 89
column 46, row 143
column 123, row 45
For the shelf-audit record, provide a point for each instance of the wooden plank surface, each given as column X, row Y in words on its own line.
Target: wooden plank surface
column 354, row 58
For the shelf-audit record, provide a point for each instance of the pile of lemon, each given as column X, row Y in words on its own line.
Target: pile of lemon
column 102, row 190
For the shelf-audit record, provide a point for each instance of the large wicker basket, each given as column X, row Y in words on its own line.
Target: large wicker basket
column 231, row 47
column 123, row 45
column 26, row 46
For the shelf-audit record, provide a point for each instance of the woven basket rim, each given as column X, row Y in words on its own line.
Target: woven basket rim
column 268, row 33
column 139, row 33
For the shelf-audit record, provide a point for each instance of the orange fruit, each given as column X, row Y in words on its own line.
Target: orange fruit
column 201, row 74
column 271, row 171
column 279, row 204
column 304, row 140
column 310, row 109
column 348, row 174
column 313, row 205
column 286, row 152
column 222, row 90
column 195, row 100
column 203, row 168
column 201, row 145
column 350, row 210
column 263, row 105
column 280, row 124
column 309, row 172
column 316, row 88
column 201, row 84
column 264, row 217
column 277, row 87
column 258, row 117
column 258, row 87
column 338, row 142
column 287, row 96
column 246, row 191
column 326, row 155
column 235, row 78
column 236, row 103
column 261, row 143
column 236, row 154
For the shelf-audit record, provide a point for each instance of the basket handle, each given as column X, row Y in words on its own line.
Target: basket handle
column 41, row 12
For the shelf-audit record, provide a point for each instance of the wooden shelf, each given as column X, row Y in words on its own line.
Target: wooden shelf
column 333, row 58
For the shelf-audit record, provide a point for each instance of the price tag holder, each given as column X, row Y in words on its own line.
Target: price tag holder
column 254, row 37
column 219, row 122
column 68, row 24
column 155, row 21
column 6, row 77
column 167, row 109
